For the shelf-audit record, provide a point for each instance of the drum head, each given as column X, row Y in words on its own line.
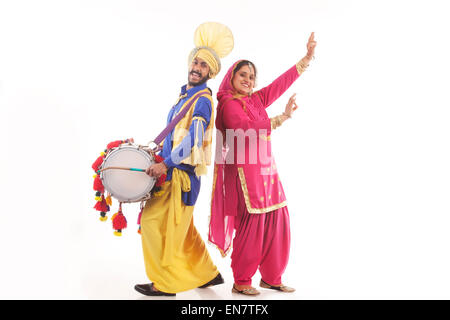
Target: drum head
column 127, row 185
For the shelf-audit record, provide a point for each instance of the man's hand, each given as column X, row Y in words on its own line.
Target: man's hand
column 156, row 170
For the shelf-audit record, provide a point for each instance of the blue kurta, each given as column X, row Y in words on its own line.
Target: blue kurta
column 173, row 157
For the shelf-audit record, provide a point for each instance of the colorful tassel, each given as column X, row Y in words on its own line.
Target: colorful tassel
column 162, row 178
column 98, row 184
column 119, row 221
column 139, row 217
column 103, row 216
column 115, row 144
column 102, row 205
column 97, row 163
column 157, row 192
column 108, row 200
column 158, row 158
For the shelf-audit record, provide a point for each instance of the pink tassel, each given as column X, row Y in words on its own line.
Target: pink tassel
column 98, row 184
column 97, row 163
column 119, row 221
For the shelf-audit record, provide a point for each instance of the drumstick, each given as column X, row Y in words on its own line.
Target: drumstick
column 124, row 168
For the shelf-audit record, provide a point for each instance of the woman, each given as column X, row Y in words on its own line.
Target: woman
column 247, row 195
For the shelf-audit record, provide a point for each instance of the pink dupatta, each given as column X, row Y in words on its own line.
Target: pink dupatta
column 221, row 224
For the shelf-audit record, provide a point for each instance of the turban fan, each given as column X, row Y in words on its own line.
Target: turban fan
column 213, row 41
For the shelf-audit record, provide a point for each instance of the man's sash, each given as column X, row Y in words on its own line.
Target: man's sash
column 175, row 120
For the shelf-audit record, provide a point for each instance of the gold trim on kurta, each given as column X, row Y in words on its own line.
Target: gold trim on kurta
column 250, row 209
column 199, row 118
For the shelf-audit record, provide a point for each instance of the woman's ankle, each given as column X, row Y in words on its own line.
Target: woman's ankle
column 242, row 286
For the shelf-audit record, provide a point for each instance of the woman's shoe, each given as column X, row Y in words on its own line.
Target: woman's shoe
column 149, row 290
column 247, row 291
column 281, row 287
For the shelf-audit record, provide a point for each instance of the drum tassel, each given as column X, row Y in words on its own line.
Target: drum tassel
column 140, row 215
column 119, row 221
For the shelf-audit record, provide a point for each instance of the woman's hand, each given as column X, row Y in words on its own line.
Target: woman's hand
column 304, row 62
column 310, row 46
column 291, row 106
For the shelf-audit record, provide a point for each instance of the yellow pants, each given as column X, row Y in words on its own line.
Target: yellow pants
column 175, row 255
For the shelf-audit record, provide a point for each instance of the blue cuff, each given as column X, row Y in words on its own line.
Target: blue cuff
column 169, row 163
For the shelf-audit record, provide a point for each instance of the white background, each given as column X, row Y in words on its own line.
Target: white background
column 364, row 162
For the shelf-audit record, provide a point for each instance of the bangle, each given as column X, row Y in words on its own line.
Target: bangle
column 301, row 66
column 285, row 114
column 277, row 121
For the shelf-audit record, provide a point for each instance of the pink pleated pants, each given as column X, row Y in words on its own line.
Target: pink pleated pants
column 261, row 240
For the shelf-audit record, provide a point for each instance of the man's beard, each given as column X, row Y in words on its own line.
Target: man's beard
column 199, row 82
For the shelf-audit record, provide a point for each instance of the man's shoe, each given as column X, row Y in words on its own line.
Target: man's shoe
column 214, row 282
column 149, row 290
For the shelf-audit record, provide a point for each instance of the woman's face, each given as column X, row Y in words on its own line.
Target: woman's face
column 244, row 80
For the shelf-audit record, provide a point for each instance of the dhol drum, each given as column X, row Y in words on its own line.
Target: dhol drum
column 123, row 173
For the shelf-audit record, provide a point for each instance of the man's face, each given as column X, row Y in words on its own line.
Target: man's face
column 198, row 72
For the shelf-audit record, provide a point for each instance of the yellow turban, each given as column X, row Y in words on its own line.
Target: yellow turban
column 213, row 41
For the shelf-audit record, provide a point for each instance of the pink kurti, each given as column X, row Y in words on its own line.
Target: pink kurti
column 247, row 193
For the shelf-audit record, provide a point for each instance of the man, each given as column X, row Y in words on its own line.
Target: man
column 175, row 256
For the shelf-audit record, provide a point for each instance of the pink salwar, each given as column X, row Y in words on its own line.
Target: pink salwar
column 261, row 240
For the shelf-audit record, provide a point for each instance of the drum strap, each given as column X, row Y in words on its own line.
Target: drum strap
column 177, row 119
